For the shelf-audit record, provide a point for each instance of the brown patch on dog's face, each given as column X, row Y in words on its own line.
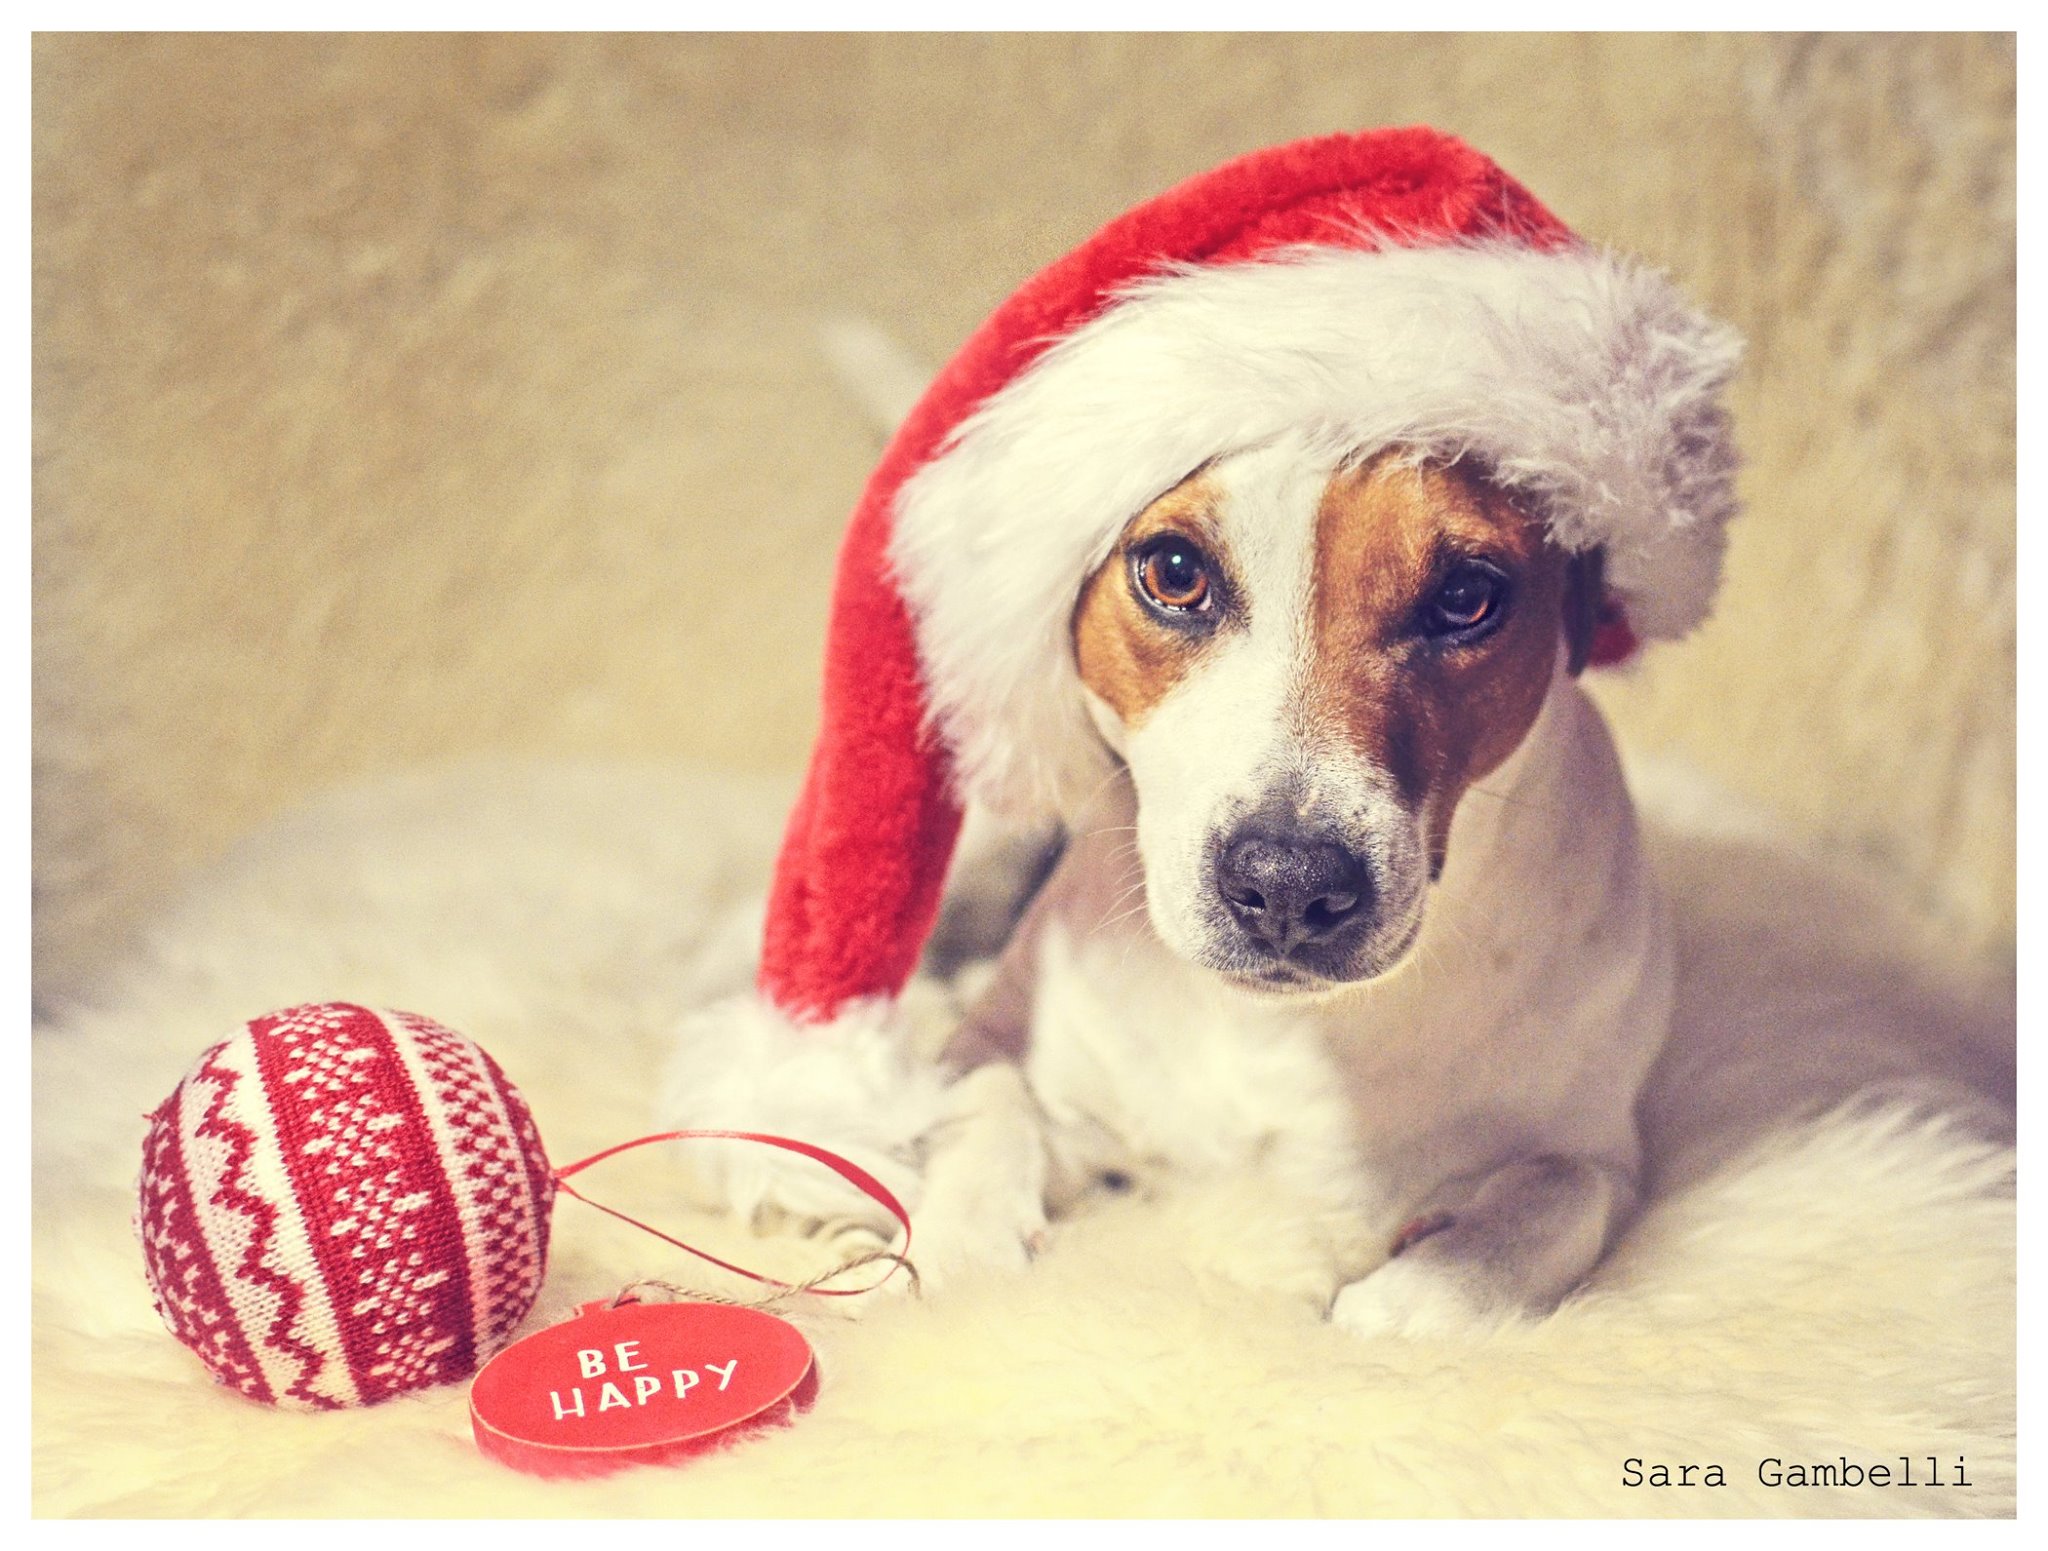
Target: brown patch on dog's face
column 1131, row 653
column 1438, row 708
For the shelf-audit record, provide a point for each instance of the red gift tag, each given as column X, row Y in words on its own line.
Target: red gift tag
column 639, row 1384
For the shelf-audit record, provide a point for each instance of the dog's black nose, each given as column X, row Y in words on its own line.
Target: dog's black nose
column 1290, row 891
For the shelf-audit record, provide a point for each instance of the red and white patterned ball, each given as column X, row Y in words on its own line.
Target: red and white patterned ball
column 339, row 1205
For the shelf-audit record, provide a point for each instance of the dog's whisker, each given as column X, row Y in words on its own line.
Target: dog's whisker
column 1110, row 922
column 1117, row 914
column 1130, row 914
column 1513, row 802
column 1116, row 774
column 1111, row 829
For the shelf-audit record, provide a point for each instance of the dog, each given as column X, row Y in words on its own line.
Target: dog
column 1363, row 904
column 1256, row 544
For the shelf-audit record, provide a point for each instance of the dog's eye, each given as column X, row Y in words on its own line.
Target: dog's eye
column 1466, row 602
column 1174, row 574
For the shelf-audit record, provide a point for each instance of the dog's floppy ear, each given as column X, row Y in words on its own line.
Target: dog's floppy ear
column 1585, row 591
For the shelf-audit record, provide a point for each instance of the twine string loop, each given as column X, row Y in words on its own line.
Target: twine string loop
column 845, row 1168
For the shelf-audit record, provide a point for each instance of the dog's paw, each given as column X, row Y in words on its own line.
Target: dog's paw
column 992, row 1231
column 1405, row 1298
column 866, row 1257
column 945, row 1246
column 983, row 1205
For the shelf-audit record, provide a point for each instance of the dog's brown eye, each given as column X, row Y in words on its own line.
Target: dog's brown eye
column 1174, row 574
column 1467, row 601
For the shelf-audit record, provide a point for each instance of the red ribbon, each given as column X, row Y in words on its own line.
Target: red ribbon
column 849, row 1171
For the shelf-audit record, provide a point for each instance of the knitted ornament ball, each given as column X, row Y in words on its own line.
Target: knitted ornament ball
column 339, row 1205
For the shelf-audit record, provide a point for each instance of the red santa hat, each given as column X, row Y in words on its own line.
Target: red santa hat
column 1393, row 287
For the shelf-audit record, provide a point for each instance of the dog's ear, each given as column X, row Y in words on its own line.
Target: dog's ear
column 1585, row 591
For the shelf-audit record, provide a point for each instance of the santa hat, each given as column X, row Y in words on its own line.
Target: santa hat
column 1390, row 288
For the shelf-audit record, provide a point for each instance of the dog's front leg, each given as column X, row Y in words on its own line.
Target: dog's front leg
column 981, row 1202
column 1517, row 1239
column 984, row 1182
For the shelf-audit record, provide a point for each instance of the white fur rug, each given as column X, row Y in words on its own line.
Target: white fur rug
column 1802, row 1291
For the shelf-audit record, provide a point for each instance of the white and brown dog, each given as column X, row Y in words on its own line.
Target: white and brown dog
column 1256, row 546
column 1363, row 903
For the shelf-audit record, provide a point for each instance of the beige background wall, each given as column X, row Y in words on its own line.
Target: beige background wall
column 399, row 399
